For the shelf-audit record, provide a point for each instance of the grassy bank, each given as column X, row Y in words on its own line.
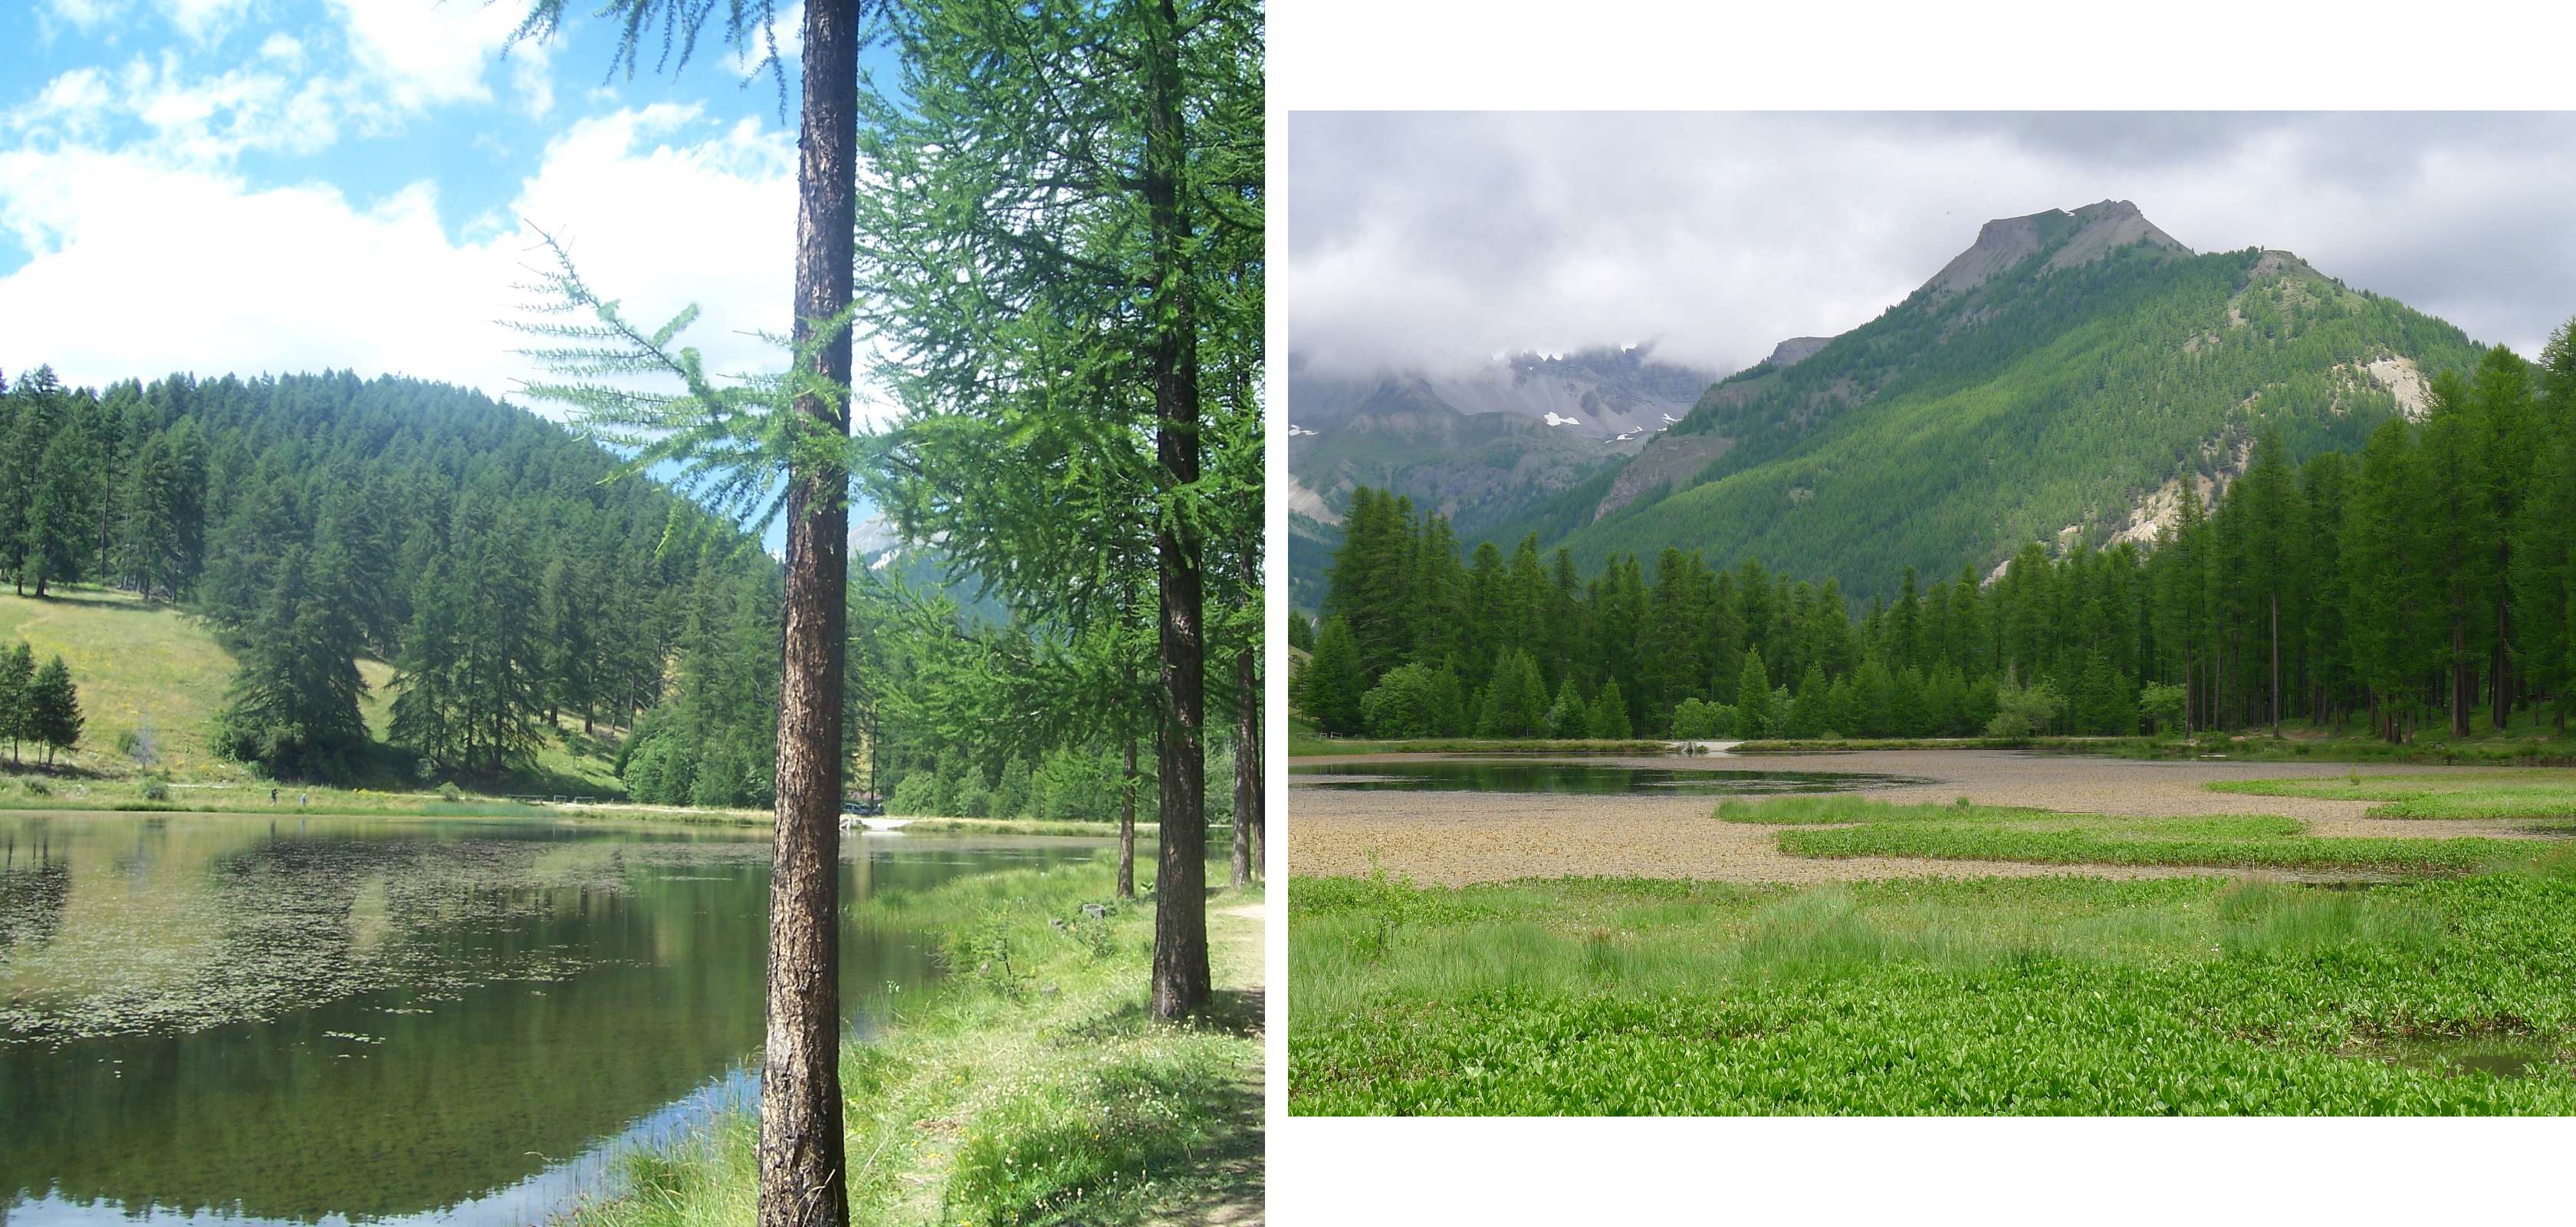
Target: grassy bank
column 37, row 791
column 2542, row 794
column 2067, row 995
column 1029, row 1087
column 1847, row 826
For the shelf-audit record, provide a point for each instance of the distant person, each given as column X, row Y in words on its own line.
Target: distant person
column 303, row 798
column 272, row 796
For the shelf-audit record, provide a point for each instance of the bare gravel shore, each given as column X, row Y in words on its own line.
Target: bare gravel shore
column 1455, row 838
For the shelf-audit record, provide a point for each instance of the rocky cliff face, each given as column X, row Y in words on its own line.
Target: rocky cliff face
column 2079, row 237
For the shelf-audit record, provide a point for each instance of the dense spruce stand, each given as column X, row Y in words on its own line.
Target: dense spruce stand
column 2429, row 577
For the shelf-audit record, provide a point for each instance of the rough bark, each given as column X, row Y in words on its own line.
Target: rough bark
column 1180, row 974
column 801, row 1163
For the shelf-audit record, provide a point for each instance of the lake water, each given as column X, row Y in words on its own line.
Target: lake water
column 216, row 1018
column 1497, row 775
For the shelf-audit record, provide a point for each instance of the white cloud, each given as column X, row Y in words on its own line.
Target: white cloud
column 200, row 120
column 143, row 263
column 283, row 48
column 1437, row 239
column 423, row 53
column 203, row 21
column 86, row 15
column 70, row 107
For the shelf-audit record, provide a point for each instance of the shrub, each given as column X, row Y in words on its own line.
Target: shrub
column 155, row 788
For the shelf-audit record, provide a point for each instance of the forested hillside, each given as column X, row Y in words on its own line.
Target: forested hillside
column 315, row 521
column 2062, row 380
column 2428, row 577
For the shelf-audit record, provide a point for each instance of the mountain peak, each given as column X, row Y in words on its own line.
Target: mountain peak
column 2077, row 237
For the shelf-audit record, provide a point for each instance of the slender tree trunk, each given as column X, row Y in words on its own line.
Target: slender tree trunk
column 2187, row 687
column 2276, row 664
column 1127, row 824
column 2503, row 671
column 802, row 1169
column 1247, row 760
column 2463, row 696
column 1180, row 974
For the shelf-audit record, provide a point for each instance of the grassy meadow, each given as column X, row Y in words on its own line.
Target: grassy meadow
column 1843, row 826
column 152, row 669
column 2437, row 982
column 1030, row 1087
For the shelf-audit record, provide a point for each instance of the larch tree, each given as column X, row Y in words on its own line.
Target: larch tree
column 53, row 709
column 17, row 674
column 1042, row 283
column 780, row 446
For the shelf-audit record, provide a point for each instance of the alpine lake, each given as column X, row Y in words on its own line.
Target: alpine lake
column 249, row 1019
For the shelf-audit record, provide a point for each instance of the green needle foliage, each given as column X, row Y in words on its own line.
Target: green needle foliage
column 728, row 441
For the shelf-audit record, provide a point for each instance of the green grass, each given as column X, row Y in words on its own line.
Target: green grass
column 1851, row 826
column 2540, row 794
column 136, row 664
column 150, row 665
column 2051, row 995
column 1027, row 1087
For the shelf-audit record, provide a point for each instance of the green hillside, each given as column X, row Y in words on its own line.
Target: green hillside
column 2060, row 375
column 159, row 672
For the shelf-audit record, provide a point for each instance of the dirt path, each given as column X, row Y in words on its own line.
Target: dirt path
column 1226, row 1188
column 1456, row 838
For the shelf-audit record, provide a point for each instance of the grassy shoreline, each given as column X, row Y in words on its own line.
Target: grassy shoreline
column 62, row 793
column 2479, row 750
column 1028, row 1086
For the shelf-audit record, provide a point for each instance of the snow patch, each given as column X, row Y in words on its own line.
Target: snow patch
column 1295, row 430
column 1554, row 420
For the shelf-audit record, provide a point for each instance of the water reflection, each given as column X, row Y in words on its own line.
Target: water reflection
column 207, row 1017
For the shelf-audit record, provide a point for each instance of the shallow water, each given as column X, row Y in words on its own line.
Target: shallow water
column 345, row 1019
column 1492, row 775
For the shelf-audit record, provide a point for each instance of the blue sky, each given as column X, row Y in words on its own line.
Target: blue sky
column 275, row 185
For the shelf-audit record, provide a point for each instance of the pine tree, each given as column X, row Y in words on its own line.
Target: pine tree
column 1332, row 685
column 17, row 675
column 57, row 515
column 1609, row 716
column 1753, row 697
column 428, row 706
column 53, row 709
column 1568, row 717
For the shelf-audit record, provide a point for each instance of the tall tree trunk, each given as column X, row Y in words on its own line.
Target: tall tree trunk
column 2503, row 670
column 1180, row 976
column 1127, row 824
column 2188, row 680
column 2463, row 694
column 801, row 1163
column 1247, row 760
column 2276, row 664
